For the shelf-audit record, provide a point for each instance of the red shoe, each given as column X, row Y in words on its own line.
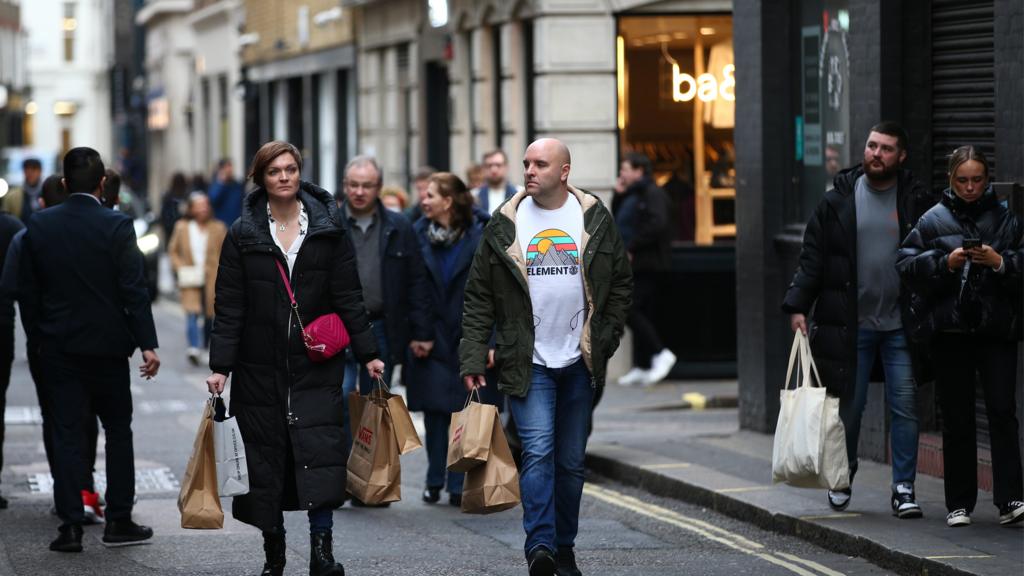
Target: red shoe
column 92, row 509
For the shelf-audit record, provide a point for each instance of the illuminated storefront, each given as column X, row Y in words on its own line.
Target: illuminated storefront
column 676, row 103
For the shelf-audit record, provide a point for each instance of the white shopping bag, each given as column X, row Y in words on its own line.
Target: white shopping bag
column 232, row 470
column 810, row 442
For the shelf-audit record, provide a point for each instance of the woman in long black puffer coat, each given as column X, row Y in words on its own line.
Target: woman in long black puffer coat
column 288, row 407
column 964, row 262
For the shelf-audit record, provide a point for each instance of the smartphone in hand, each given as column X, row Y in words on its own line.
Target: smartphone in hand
column 971, row 243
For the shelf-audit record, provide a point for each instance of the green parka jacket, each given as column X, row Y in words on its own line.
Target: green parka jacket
column 498, row 302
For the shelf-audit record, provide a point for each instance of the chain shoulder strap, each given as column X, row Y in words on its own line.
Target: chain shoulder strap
column 291, row 297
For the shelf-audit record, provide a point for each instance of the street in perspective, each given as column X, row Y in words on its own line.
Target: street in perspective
column 531, row 287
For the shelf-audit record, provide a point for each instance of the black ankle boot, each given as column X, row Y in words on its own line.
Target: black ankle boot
column 273, row 546
column 321, row 556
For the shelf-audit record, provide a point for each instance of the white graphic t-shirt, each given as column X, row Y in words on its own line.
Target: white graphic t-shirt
column 550, row 240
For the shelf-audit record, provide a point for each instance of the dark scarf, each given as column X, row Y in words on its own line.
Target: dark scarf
column 442, row 237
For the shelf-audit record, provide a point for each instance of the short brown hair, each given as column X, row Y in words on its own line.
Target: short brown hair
column 397, row 192
column 451, row 186
column 267, row 154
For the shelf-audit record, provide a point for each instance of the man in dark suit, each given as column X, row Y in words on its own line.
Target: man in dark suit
column 84, row 289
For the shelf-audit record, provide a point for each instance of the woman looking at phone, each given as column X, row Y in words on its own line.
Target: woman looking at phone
column 963, row 262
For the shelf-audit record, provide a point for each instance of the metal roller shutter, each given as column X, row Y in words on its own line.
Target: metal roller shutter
column 963, row 97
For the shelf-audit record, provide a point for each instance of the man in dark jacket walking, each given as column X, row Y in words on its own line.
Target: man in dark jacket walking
column 391, row 272
column 551, row 281
column 83, row 284
column 847, row 274
column 642, row 214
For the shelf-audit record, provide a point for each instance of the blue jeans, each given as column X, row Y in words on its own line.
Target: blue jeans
column 354, row 370
column 552, row 421
column 436, row 424
column 197, row 338
column 900, row 395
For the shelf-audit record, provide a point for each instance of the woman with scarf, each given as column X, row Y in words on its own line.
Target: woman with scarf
column 448, row 235
column 963, row 262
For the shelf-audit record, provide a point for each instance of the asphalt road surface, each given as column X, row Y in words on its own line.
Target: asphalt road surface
column 623, row 531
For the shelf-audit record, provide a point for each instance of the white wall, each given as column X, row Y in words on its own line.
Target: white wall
column 215, row 30
column 83, row 81
column 170, row 68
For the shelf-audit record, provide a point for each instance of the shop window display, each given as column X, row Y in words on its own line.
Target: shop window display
column 677, row 93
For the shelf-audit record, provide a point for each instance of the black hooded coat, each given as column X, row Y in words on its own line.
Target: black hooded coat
column 824, row 286
column 288, row 407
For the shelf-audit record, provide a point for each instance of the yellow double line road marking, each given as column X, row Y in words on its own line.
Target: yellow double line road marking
column 794, row 564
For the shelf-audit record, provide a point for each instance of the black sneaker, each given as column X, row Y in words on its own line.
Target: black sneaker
column 125, row 531
column 69, row 539
column 567, row 562
column 1011, row 512
column 431, row 495
column 455, row 500
column 904, row 505
column 541, row 562
column 839, row 500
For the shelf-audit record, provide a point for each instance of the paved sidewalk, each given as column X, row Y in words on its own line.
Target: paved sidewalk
column 653, row 439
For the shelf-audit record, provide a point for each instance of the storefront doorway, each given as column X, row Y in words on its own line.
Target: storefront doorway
column 676, row 104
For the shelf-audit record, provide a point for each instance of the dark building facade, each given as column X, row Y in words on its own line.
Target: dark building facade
column 813, row 77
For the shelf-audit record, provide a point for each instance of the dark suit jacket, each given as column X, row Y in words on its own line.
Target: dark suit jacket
column 82, row 280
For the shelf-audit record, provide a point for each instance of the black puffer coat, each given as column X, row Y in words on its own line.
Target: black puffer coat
column 988, row 303
column 826, row 279
column 302, row 465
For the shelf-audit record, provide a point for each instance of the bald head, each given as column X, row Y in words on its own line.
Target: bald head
column 554, row 149
column 546, row 171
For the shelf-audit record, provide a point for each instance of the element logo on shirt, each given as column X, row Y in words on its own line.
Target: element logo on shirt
column 552, row 253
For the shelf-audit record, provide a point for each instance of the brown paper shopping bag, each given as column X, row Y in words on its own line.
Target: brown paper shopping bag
column 469, row 435
column 198, row 500
column 374, row 471
column 356, row 402
column 401, row 421
column 493, row 486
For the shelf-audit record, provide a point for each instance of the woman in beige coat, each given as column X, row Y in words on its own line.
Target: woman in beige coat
column 194, row 250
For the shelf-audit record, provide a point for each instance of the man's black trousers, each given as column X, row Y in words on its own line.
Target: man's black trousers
column 104, row 383
column 646, row 341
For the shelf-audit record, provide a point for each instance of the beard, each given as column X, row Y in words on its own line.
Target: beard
column 879, row 173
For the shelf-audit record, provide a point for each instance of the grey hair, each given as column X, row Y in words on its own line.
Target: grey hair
column 365, row 160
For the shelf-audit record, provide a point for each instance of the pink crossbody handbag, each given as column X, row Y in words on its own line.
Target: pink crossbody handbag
column 323, row 337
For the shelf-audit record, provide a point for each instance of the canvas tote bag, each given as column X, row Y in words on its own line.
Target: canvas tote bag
column 494, row 485
column 810, row 443
column 374, row 471
column 198, row 500
column 469, row 434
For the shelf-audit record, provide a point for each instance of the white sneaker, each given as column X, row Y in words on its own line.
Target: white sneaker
column 661, row 365
column 634, row 376
column 958, row 518
column 193, row 356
